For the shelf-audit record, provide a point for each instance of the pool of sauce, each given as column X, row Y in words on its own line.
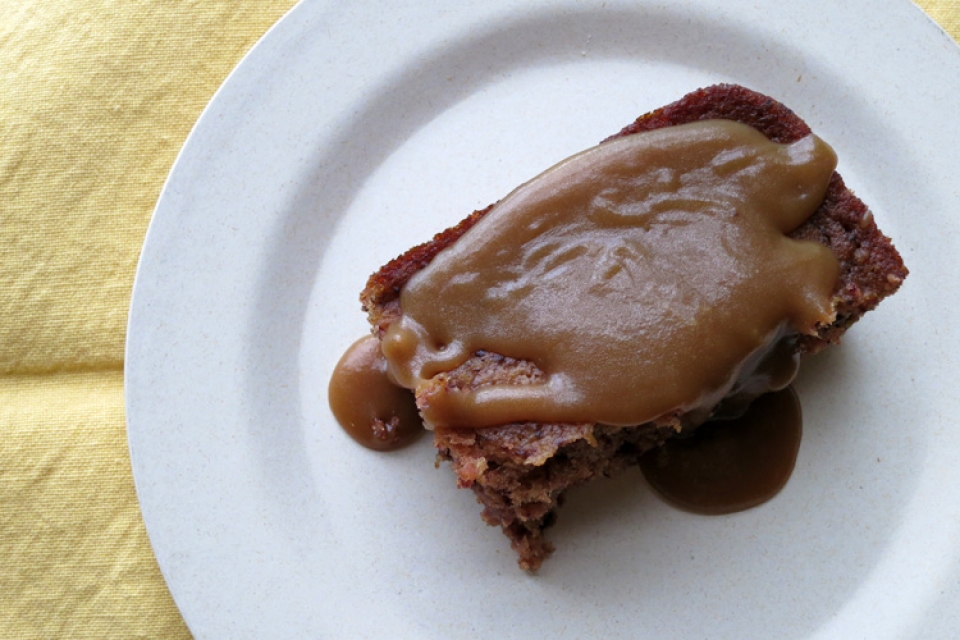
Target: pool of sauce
column 730, row 465
column 372, row 409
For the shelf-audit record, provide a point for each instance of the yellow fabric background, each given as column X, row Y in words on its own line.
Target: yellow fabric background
column 97, row 98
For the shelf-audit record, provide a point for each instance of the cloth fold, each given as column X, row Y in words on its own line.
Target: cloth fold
column 98, row 98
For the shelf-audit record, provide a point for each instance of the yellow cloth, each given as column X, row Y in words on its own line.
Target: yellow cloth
column 97, row 98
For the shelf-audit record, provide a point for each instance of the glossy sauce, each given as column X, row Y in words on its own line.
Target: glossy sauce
column 730, row 465
column 640, row 277
column 368, row 405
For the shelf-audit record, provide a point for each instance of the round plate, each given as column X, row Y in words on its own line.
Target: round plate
column 352, row 132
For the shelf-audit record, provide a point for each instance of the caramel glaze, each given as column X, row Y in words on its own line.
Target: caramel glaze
column 648, row 278
column 730, row 465
column 372, row 409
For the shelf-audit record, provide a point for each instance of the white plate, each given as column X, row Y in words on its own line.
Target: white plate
column 353, row 131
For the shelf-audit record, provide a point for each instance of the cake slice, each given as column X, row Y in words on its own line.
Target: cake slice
column 519, row 472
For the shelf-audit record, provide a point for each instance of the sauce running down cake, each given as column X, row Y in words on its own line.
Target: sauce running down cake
column 668, row 276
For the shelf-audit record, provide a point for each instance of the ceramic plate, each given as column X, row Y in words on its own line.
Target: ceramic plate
column 353, row 131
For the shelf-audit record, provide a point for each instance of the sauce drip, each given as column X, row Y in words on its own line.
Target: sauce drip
column 368, row 405
column 639, row 276
column 730, row 465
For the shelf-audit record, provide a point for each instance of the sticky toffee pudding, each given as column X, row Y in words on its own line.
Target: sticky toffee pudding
column 626, row 296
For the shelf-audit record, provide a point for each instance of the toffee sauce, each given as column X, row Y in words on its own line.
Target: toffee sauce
column 727, row 466
column 638, row 276
column 368, row 405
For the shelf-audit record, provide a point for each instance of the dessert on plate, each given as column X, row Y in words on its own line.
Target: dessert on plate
column 666, row 277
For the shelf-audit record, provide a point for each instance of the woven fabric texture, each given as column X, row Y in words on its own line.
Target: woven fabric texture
column 98, row 97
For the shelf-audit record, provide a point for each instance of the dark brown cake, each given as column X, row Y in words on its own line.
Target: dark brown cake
column 519, row 472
